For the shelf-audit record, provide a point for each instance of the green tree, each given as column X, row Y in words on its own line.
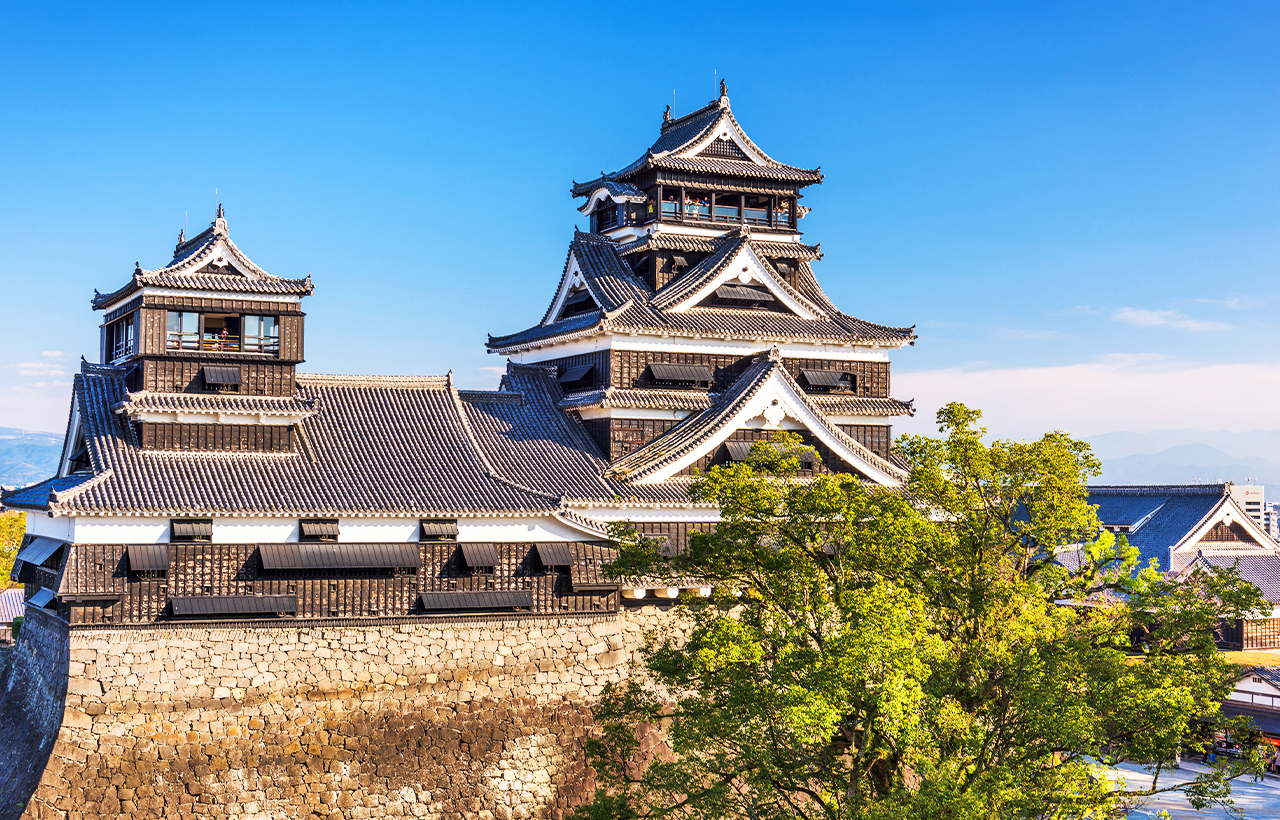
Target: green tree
column 13, row 525
column 877, row 654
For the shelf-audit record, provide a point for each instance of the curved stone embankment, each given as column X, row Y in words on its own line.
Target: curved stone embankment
column 416, row 719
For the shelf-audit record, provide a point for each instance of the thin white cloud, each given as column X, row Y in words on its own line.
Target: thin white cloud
column 52, row 354
column 1119, row 392
column 38, row 369
column 1026, row 334
column 1165, row 318
column 1233, row 302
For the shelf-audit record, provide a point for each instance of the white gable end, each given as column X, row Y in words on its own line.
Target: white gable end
column 573, row 280
column 777, row 406
column 747, row 269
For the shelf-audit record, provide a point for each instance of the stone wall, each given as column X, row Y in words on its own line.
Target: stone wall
column 33, row 688
column 478, row 718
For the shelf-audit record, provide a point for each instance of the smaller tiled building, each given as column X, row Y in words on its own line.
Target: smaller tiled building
column 1257, row 696
column 1185, row 526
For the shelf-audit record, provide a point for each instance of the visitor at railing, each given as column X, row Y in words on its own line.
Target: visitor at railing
column 697, row 206
column 671, row 203
column 782, row 214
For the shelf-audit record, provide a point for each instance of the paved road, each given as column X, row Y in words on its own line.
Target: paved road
column 1258, row 801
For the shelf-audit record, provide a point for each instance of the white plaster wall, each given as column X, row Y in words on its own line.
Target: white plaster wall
column 121, row 530
column 41, row 524
column 1246, row 684
column 377, row 530
column 518, row 529
column 250, row 530
column 642, row 515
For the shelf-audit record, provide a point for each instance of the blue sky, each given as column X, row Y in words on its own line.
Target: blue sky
column 1076, row 204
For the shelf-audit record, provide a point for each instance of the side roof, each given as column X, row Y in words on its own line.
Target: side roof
column 376, row 445
column 208, row 261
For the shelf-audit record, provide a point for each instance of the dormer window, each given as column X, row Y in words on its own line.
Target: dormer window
column 575, row 378
column 318, row 529
column 680, row 376
column 830, row 381
column 438, row 529
column 191, row 530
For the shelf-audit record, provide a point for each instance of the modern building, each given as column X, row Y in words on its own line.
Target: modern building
column 1251, row 498
column 1271, row 519
column 204, row 478
column 1181, row 527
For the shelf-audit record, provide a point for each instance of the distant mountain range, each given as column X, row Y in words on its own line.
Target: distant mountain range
column 27, row 456
column 1190, row 456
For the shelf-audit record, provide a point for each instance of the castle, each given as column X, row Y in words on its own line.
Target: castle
column 253, row 592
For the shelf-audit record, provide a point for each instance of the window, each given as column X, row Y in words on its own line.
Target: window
column 606, row 218
column 191, row 530
column 756, row 210
column 119, row 337
column 782, row 214
column 726, row 207
column 318, row 529
column 220, row 332
column 261, row 334
column 183, row 330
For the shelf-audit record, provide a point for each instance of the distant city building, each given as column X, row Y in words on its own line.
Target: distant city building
column 1250, row 497
column 1271, row 519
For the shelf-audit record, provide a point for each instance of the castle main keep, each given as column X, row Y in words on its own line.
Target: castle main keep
column 253, row 592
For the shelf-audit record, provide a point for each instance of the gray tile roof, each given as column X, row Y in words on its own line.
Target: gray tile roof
column 215, row 402
column 537, row 445
column 632, row 398
column 627, row 305
column 379, row 445
column 1178, row 509
column 682, row 132
column 190, row 269
column 861, row 406
column 1263, row 571
column 707, row 244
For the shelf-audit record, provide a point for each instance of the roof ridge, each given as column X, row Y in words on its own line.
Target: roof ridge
column 676, row 122
column 1160, row 489
column 349, row 380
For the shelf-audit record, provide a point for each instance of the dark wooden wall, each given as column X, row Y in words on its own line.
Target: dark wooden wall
column 629, row 369
column 616, row 437
column 235, row 437
column 677, row 532
column 1220, row 533
column 236, row 569
column 597, row 379
column 878, row 438
column 182, row 375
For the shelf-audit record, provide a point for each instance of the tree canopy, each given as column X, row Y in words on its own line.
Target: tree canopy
column 13, row 525
column 929, row 652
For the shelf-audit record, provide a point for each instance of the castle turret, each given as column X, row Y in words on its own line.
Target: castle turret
column 694, row 273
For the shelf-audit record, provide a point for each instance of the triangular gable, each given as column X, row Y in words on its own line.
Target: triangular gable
column 75, row 438
column 573, row 282
column 1230, row 516
column 767, row 395
column 726, row 128
column 736, row 263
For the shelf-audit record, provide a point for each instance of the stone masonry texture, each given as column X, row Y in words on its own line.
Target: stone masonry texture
column 480, row 718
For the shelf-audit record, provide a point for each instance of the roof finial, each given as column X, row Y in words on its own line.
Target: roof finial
column 182, row 236
column 220, row 221
column 222, row 215
column 724, row 89
column 666, row 115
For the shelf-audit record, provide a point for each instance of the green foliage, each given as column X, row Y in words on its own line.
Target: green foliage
column 869, row 653
column 13, row 525
column 16, row 626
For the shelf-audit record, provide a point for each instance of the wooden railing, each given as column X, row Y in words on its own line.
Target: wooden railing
column 217, row 343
